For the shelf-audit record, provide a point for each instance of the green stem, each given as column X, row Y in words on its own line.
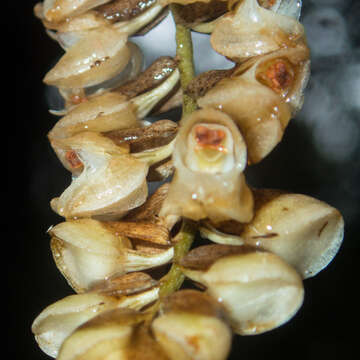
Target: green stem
column 184, row 53
column 173, row 280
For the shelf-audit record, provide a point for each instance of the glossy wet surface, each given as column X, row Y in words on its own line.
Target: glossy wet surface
column 319, row 156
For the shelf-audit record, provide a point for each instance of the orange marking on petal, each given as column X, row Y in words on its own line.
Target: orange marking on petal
column 73, row 159
column 279, row 76
column 205, row 136
column 77, row 99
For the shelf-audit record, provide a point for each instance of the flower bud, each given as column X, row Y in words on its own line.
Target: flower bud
column 258, row 289
column 87, row 251
column 209, row 158
column 191, row 325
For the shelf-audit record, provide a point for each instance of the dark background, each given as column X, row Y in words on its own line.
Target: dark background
column 319, row 156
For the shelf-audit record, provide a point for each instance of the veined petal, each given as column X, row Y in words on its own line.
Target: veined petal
column 259, row 290
column 89, row 252
column 305, row 232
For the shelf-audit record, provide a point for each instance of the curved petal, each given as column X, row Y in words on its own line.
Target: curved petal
column 57, row 321
column 103, row 113
column 87, row 252
column 258, row 289
column 105, row 336
column 192, row 326
column 252, row 30
column 109, row 184
column 59, row 10
column 261, row 96
column 306, row 232
column 99, row 56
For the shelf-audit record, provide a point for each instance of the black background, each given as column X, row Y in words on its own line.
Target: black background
column 326, row 325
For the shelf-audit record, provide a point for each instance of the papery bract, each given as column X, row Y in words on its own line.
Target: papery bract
column 88, row 251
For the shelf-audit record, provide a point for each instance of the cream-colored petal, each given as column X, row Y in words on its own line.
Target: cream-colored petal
column 258, row 289
column 104, row 337
column 107, row 112
column 99, row 56
column 197, row 195
column 192, row 325
column 260, row 112
column 87, row 252
column 191, row 336
column 305, row 232
column 108, row 185
column 59, row 10
column 252, row 30
column 57, row 321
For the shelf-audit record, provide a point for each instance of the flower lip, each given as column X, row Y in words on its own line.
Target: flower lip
column 73, row 159
column 210, row 148
column 210, row 138
column 215, row 120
